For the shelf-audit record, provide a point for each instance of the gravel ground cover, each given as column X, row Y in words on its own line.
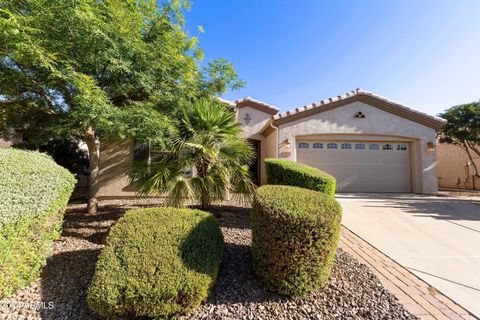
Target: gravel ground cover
column 473, row 195
column 354, row 292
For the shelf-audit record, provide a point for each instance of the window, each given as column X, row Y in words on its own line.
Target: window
column 373, row 146
column 317, row 145
column 303, row 145
column 346, row 146
column 402, row 147
column 141, row 151
column 332, row 146
column 387, row 147
column 359, row 146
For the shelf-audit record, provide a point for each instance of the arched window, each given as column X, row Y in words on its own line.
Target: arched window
column 317, row 145
column 402, row 147
column 346, row 146
column 303, row 145
column 332, row 146
column 359, row 146
column 387, row 147
column 373, row 146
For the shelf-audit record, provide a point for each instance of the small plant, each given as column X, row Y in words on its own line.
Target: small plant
column 292, row 173
column 295, row 234
column 34, row 192
column 157, row 262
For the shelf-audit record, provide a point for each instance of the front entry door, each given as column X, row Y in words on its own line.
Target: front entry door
column 255, row 166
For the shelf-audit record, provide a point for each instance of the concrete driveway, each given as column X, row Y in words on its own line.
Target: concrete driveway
column 438, row 239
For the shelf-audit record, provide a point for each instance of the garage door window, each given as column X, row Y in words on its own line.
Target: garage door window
column 374, row 146
column 332, row 146
column 346, row 146
column 359, row 146
column 318, row 145
column 303, row 145
column 402, row 147
column 387, row 147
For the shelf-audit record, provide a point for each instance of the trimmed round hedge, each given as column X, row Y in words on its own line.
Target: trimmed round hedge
column 290, row 173
column 156, row 262
column 295, row 234
column 34, row 192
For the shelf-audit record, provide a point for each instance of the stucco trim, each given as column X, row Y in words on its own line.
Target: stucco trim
column 267, row 129
column 367, row 98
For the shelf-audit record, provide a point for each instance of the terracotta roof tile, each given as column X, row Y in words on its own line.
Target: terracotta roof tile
column 356, row 92
column 250, row 99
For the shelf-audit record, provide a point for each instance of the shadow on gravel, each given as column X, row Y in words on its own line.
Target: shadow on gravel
column 93, row 228
column 231, row 216
column 64, row 282
column 236, row 282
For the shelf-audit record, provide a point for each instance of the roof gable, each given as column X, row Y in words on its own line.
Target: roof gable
column 256, row 104
column 365, row 97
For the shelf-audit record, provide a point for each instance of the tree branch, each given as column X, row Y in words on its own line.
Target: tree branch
column 474, row 148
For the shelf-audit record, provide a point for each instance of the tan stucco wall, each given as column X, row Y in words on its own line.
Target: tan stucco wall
column 377, row 125
column 5, row 143
column 453, row 171
column 251, row 130
column 13, row 137
column 115, row 157
column 258, row 119
column 269, row 151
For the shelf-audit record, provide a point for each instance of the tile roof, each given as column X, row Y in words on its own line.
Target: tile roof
column 258, row 102
column 354, row 93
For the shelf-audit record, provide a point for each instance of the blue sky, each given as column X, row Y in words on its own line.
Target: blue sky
column 424, row 54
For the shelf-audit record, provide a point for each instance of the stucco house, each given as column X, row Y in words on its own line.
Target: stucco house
column 369, row 143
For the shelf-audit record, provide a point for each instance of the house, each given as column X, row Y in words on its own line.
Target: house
column 369, row 143
column 455, row 169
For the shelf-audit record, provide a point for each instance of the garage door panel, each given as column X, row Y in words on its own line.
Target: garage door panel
column 367, row 170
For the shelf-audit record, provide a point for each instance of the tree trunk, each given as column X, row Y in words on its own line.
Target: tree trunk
column 468, row 146
column 93, row 151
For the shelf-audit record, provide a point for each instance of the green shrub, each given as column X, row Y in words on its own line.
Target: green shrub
column 34, row 191
column 295, row 234
column 292, row 173
column 157, row 262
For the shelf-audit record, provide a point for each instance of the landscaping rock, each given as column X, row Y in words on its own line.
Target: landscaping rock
column 353, row 292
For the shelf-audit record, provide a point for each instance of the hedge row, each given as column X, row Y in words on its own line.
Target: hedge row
column 292, row 173
column 295, row 234
column 157, row 262
column 34, row 191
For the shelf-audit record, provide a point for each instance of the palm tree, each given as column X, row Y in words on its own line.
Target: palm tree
column 206, row 161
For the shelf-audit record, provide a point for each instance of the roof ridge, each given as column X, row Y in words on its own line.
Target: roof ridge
column 350, row 94
column 250, row 99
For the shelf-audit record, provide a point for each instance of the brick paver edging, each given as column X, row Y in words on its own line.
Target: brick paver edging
column 418, row 297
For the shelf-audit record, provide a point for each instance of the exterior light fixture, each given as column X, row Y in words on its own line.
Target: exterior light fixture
column 286, row 144
column 430, row 146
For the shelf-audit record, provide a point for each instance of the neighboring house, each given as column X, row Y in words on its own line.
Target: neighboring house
column 455, row 169
column 369, row 143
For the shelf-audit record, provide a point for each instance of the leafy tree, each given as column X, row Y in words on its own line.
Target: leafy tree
column 207, row 138
column 463, row 129
column 95, row 69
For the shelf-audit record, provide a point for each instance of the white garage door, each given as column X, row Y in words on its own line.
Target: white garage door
column 360, row 166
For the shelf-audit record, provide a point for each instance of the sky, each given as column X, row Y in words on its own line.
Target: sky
column 424, row 54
